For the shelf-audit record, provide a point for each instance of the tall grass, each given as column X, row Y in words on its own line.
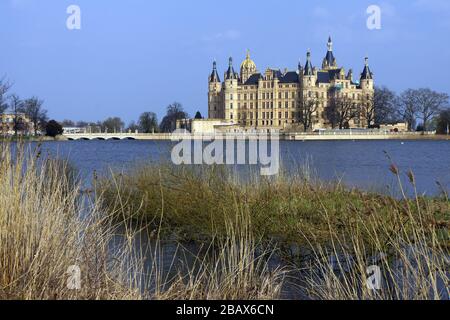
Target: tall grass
column 331, row 233
column 48, row 225
column 42, row 234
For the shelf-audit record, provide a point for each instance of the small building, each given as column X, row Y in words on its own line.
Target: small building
column 10, row 122
column 205, row 125
column 395, row 127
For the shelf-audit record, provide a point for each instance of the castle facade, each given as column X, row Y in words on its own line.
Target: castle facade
column 303, row 100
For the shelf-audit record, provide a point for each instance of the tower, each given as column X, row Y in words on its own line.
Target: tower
column 230, row 92
column 309, row 73
column 329, row 62
column 214, row 94
column 366, row 80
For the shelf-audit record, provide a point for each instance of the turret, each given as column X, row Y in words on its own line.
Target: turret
column 309, row 73
column 231, row 92
column 214, row 77
column 230, row 74
column 329, row 62
column 308, row 67
column 214, row 94
column 350, row 75
column 366, row 77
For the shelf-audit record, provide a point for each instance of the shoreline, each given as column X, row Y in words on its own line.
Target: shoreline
column 207, row 136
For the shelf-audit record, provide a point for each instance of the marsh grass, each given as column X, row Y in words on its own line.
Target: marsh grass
column 336, row 232
column 48, row 224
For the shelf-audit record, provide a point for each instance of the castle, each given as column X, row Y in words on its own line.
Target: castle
column 306, row 99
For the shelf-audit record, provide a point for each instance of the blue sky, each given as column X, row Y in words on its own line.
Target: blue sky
column 139, row 55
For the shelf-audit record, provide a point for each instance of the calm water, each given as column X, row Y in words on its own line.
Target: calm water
column 362, row 164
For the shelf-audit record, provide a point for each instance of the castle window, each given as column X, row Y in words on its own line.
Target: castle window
column 231, row 96
column 279, row 104
column 286, row 104
column 279, row 114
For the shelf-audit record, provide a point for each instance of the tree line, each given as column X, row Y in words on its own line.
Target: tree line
column 422, row 109
column 16, row 107
column 147, row 122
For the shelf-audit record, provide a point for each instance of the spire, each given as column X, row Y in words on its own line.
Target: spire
column 330, row 44
column 366, row 74
column 230, row 74
column 214, row 75
column 308, row 66
column 329, row 62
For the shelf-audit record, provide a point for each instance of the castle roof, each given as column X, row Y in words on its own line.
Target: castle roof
column 367, row 74
column 214, row 77
column 289, row 77
column 230, row 74
column 253, row 80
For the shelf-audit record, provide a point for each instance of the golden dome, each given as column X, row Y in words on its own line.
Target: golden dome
column 248, row 63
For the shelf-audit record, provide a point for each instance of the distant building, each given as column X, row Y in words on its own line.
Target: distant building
column 23, row 124
column 274, row 99
column 395, row 127
column 74, row 130
column 205, row 125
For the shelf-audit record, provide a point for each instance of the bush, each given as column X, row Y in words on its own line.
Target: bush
column 53, row 129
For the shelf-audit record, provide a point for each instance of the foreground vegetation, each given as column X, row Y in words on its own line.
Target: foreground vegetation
column 49, row 228
column 328, row 235
column 331, row 233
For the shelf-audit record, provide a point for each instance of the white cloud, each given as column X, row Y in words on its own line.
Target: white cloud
column 17, row 4
column 230, row 34
column 321, row 12
column 433, row 5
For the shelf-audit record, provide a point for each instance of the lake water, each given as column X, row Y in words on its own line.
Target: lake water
column 362, row 164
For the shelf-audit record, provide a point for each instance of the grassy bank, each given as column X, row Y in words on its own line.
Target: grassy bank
column 332, row 233
column 196, row 203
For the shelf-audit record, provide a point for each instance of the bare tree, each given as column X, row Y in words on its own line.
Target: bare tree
column 148, row 122
column 114, row 124
column 341, row 110
column 175, row 112
column 428, row 104
column 443, row 122
column 4, row 88
column 308, row 110
column 34, row 111
column 385, row 105
column 408, row 108
column 17, row 108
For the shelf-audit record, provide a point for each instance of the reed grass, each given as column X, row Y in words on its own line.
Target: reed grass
column 333, row 234
column 48, row 225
